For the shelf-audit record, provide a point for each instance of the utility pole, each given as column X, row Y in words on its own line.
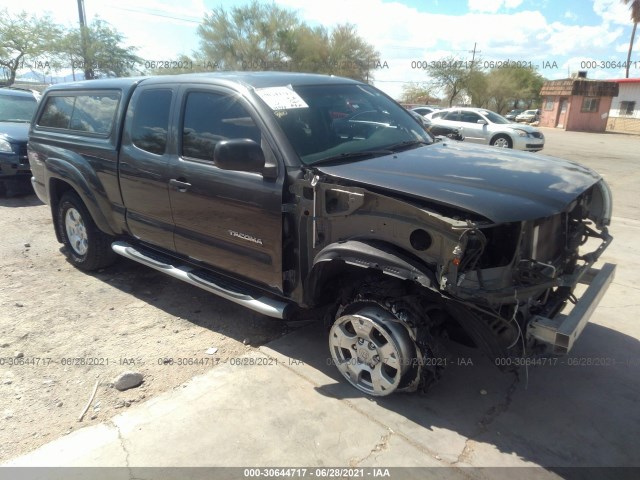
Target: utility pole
column 81, row 14
column 473, row 57
column 82, row 18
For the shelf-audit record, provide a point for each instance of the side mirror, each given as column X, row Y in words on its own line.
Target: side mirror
column 241, row 155
column 481, row 122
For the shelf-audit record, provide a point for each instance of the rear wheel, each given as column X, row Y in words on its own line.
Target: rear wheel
column 87, row 247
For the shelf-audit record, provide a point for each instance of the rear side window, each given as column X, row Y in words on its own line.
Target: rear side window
column 151, row 120
column 57, row 112
column 211, row 117
column 91, row 113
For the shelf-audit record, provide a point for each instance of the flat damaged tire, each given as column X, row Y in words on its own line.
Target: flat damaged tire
column 372, row 350
column 86, row 246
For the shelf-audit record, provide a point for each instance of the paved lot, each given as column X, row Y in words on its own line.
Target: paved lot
column 294, row 410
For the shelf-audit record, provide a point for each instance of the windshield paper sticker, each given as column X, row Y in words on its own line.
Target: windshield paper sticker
column 281, row 98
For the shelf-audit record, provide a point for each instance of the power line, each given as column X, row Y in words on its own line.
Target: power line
column 154, row 14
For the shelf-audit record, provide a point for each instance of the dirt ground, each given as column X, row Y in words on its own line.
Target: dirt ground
column 62, row 330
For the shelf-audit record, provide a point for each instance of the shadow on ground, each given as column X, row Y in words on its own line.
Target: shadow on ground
column 17, row 195
column 192, row 304
column 575, row 411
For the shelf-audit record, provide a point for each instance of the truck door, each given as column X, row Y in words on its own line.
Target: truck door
column 228, row 219
column 144, row 165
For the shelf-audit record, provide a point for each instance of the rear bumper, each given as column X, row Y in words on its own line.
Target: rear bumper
column 560, row 333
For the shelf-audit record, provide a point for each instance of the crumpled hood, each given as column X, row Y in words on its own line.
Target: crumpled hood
column 14, row 132
column 500, row 184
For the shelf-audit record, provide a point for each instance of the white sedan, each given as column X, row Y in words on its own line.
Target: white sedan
column 480, row 125
column 528, row 116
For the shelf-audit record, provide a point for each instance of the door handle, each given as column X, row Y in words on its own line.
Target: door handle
column 179, row 185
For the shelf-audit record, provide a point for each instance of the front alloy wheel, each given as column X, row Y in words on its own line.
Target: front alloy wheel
column 372, row 350
column 502, row 141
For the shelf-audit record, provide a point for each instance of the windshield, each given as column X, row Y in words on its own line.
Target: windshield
column 494, row 117
column 16, row 109
column 342, row 121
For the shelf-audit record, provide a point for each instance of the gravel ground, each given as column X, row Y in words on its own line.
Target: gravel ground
column 62, row 330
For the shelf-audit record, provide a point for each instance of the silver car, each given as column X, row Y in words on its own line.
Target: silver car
column 528, row 116
column 480, row 125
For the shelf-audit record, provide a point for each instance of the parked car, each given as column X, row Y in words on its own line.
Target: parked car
column 528, row 116
column 437, row 130
column 16, row 109
column 479, row 125
column 361, row 124
column 511, row 114
column 425, row 110
column 239, row 184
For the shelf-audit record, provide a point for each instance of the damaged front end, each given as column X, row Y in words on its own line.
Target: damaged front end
column 519, row 276
column 406, row 274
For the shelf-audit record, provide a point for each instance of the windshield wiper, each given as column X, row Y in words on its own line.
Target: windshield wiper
column 409, row 143
column 354, row 156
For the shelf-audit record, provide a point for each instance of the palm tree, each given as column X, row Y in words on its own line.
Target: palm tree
column 634, row 6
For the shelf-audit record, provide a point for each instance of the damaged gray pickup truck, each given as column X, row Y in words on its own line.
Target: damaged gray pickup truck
column 302, row 195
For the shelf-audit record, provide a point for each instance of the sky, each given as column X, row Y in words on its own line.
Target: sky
column 558, row 37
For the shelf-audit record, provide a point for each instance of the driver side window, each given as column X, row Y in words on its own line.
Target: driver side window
column 211, row 117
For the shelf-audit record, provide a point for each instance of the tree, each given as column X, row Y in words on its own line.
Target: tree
column 247, row 37
column 478, row 88
column 262, row 36
column 417, row 93
column 25, row 38
column 634, row 7
column 508, row 86
column 98, row 50
column 450, row 75
column 350, row 55
column 502, row 88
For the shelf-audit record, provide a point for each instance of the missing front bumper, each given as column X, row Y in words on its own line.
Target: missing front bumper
column 561, row 332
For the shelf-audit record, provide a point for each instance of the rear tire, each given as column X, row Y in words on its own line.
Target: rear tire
column 87, row 247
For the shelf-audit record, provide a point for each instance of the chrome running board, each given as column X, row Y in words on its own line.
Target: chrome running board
column 257, row 303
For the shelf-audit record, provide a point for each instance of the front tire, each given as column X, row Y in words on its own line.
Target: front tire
column 382, row 339
column 502, row 141
column 372, row 349
column 87, row 247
